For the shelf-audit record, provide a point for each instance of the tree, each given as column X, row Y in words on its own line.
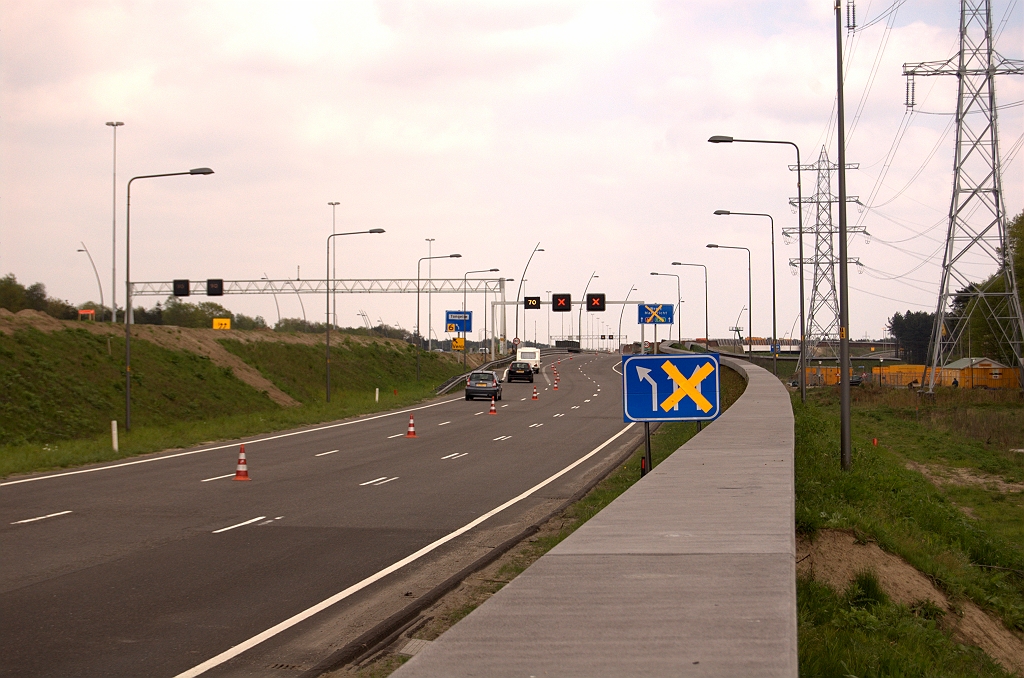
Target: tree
column 913, row 332
column 16, row 297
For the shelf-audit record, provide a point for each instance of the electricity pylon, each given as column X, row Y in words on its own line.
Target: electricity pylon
column 976, row 236
column 823, row 310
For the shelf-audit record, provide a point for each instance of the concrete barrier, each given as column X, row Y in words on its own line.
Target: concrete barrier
column 689, row 572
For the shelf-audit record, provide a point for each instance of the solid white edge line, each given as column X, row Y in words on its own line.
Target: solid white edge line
column 323, row 454
column 32, row 520
column 372, row 481
column 206, row 480
column 225, row 529
column 222, row 447
column 394, row 567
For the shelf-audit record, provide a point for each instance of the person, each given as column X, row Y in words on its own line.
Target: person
column 956, row 384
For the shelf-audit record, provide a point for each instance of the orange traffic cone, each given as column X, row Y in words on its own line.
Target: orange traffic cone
column 242, row 471
column 556, row 385
column 493, row 410
column 411, row 433
column 534, row 393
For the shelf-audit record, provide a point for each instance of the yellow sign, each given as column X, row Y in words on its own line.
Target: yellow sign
column 450, row 327
column 687, row 387
column 222, row 323
column 458, row 344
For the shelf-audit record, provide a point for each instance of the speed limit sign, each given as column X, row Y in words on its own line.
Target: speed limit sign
column 516, row 341
column 647, row 344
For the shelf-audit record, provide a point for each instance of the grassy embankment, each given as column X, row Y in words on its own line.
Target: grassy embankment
column 967, row 537
column 60, row 390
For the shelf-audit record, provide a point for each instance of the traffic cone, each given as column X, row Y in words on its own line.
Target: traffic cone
column 493, row 409
column 411, row 433
column 242, row 471
column 534, row 393
column 556, row 385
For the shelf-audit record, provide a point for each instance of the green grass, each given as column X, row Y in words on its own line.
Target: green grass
column 59, row 391
column 881, row 499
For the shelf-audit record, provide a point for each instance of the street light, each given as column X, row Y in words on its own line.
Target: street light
column 113, row 231
column 750, row 296
column 274, row 294
column 536, row 249
column 800, row 243
column 631, row 290
column 419, row 337
column 465, row 282
column 334, row 274
column 679, row 298
column 328, row 295
column 775, row 355
column 128, row 287
column 95, row 272
column 548, row 292
column 679, row 263
column 583, row 302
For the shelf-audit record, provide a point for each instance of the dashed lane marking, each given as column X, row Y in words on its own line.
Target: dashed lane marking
column 560, row 414
column 378, row 481
column 444, row 423
column 535, row 425
column 502, row 438
column 324, row 454
column 478, row 414
column 48, row 515
column 587, row 400
column 397, row 435
column 231, row 527
column 206, row 480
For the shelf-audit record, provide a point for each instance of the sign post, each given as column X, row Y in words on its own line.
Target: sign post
column 670, row 388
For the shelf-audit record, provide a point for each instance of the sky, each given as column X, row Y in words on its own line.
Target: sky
column 489, row 126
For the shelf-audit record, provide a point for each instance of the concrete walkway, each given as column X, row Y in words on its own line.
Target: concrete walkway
column 691, row 572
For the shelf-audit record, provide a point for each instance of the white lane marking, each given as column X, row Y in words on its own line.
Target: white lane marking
column 48, row 515
column 617, row 365
column 394, row 567
column 265, row 522
column 370, row 482
column 535, row 425
column 453, row 454
column 575, row 407
column 444, row 423
column 478, row 414
column 206, row 480
column 522, row 399
column 223, row 447
column 504, row 405
column 560, row 414
column 459, row 456
column 225, row 529
column 502, row 438
column 386, row 481
column 396, row 436
column 587, row 400
column 279, row 518
column 324, row 454
column 595, row 395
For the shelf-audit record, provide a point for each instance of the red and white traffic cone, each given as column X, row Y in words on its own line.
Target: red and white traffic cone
column 411, row 433
column 493, row 409
column 534, row 393
column 556, row 385
column 242, row 471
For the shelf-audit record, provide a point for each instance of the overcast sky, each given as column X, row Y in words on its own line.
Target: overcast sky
column 488, row 126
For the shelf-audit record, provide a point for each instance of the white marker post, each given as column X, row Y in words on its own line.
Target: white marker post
column 113, row 433
column 376, row 395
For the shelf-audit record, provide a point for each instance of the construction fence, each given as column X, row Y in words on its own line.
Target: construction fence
column 914, row 376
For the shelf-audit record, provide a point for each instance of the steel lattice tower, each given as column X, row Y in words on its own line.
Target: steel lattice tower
column 823, row 310
column 976, row 236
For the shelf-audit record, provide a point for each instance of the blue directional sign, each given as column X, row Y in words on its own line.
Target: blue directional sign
column 656, row 314
column 670, row 387
column 458, row 321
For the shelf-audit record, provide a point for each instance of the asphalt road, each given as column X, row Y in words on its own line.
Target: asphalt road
column 156, row 568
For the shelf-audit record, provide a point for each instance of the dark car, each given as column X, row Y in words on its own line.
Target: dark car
column 483, row 385
column 519, row 371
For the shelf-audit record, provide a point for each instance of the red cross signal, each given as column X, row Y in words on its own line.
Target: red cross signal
column 595, row 302
column 561, row 302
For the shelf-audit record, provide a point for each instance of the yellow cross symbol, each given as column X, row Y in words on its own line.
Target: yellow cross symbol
column 654, row 314
column 687, row 387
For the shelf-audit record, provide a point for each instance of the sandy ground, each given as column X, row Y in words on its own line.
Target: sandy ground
column 836, row 557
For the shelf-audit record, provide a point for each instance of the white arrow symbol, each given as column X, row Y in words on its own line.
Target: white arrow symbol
column 645, row 375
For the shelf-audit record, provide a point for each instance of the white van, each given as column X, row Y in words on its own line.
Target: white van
column 530, row 355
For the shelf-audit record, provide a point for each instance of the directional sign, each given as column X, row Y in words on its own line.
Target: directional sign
column 531, row 302
column 458, row 321
column 670, row 387
column 656, row 314
column 222, row 323
column 458, row 344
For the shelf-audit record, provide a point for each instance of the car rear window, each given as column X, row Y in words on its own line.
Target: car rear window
column 481, row 376
column 520, row 366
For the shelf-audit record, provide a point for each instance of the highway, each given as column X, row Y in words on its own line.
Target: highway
column 164, row 566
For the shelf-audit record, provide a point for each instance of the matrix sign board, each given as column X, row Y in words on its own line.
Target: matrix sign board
column 561, row 302
column 531, row 302
column 458, row 321
column 670, row 387
column 655, row 314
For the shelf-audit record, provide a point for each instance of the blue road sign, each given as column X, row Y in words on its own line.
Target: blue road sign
column 670, row 387
column 458, row 321
column 655, row 314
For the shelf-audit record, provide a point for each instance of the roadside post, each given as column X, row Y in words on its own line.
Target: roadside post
column 669, row 388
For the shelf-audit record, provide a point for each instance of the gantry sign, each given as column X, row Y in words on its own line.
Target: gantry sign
column 184, row 288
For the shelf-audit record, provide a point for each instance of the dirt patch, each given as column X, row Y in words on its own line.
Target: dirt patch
column 836, row 558
column 963, row 477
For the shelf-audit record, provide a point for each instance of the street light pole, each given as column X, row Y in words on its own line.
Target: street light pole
column 128, row 287
column 845, row 443
column 750, row 299
column 328, row 295
column 465, row 281
column 706, row 338
column 621, row 311
column 276, row 305
column 679, row 300
column 775, row 355
column 334, row 274
column 583, row 302
column 113, row 232
column 536, row 249
column 800, row 246
column 548, row 292
column 419, row 336
column 95, row 272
